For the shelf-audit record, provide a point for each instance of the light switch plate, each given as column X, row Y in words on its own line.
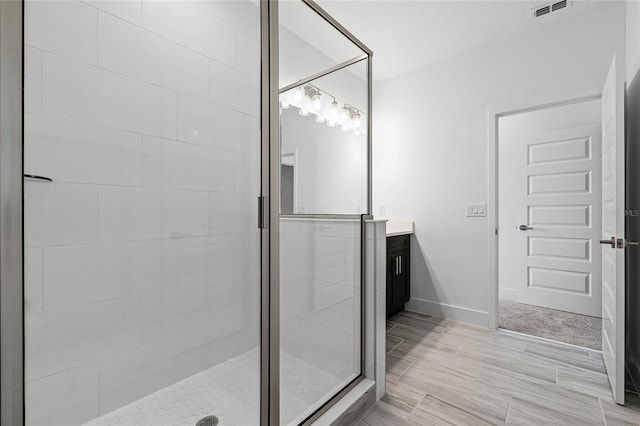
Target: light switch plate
column 476, row 210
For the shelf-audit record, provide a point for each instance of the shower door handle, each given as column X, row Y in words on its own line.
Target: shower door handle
column 37, row 177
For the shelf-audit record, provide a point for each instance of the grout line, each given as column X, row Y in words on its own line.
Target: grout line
column 399, row 343
column 506, row 419
column 480, row 371
column 419, row 402
column 604, row 418
column 405, row 370
column 394, row 326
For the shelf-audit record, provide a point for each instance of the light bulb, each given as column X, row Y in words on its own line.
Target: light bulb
column 357, row 121
column 284, row 104
column 303, row 112
column 331, row 123
column 344, row 114
column 297, row 94
column 320, row 118
column 334, row 109
column 317, row 102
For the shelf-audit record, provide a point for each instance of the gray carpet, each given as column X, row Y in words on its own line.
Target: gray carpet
column 576, row 329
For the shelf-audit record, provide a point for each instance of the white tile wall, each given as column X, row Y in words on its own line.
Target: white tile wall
column 80, row 274
column 190, row 26
column 128, row 213
column 33, row 280
column 130, row 50
column 237, row 90
column 67, row 28
column 244, row 16
column 81, row 92
column 247, row 62
column 68, row 151
column 206, row 123
column 232, row 213
column 66, row 398
column 66, row 338
column 172, row 164
column 61, row 213
column 129, row 10
column 32, row 80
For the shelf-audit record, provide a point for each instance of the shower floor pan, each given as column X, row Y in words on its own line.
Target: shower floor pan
column 229, row 391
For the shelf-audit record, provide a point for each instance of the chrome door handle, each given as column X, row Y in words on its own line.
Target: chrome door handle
column 399, row 265
column 611, row 241
column 524, row 228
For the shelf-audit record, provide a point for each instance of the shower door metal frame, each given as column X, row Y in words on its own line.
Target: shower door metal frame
column 11, row 216
column 363, row 218
column 269, row 210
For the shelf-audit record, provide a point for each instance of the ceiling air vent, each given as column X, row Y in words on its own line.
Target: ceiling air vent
column 550, row 7
column 559, row 5
column 543, row 11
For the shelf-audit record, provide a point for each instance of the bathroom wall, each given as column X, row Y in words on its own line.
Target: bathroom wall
column 142, row 257
column 431, row 145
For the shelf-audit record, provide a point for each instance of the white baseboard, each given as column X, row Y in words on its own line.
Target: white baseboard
column 633, row 365
column 508, row 293
column 442, row 310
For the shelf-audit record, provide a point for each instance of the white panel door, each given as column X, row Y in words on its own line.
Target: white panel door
column 613, row 206
column 559, row 221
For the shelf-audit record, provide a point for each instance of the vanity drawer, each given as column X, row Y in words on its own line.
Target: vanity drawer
column 398, row 242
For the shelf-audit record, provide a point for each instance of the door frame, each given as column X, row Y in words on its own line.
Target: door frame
column 493, row 192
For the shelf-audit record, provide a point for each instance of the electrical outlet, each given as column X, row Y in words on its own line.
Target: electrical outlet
column 382, row 210
column 476, row 210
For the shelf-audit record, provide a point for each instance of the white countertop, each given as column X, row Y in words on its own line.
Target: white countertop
column 399, row 227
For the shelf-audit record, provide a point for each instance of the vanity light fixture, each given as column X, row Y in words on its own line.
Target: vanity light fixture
column 334, row 109
column 309, row 100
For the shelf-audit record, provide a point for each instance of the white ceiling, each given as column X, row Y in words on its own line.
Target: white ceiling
column 408, row 35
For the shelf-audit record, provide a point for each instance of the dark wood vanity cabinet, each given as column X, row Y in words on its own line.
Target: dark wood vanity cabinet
column 398, row 285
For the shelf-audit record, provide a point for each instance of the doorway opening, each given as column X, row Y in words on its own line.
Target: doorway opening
column 549, row 192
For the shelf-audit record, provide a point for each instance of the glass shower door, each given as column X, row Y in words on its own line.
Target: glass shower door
column 324, row 193
column 142, row 253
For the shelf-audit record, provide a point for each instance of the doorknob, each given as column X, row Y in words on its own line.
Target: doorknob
column 524, row 228
column 624, row 243
column 611, row 241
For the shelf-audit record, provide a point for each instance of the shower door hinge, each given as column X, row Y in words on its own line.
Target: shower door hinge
column 263, row 212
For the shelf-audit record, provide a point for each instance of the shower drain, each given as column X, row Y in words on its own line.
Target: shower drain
column 208, row 421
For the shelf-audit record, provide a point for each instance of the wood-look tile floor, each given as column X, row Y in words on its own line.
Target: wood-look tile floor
column 441, row 372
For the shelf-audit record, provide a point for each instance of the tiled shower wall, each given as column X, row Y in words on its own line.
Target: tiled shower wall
column 142, row 257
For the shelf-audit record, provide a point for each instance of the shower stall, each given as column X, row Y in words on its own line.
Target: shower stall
column 184, row 193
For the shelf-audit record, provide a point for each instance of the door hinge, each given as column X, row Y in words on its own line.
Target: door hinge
column 263, row 212
column 496, row 231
